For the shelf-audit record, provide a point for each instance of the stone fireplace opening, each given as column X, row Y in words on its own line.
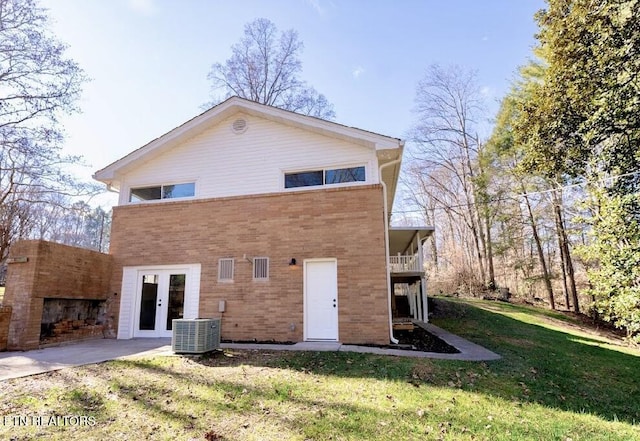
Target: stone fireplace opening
column 72, row 319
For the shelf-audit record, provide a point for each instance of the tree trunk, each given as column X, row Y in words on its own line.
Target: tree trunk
column 565, row 255
column 432, row 239
column 489, row 248
column 475, row 224
column 569, row 267
column 565, row 288
column 482, row 215
column 543, row 263
column 476, row 239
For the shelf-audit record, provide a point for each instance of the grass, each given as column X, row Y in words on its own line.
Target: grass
column 555, row 382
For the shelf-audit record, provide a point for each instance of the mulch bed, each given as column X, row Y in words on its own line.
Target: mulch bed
column 421, row 340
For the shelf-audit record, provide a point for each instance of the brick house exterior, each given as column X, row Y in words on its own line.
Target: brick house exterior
column 276, row 256
column 300, row 225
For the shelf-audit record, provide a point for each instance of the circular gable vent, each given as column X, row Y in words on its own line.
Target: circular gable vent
column 239, row 126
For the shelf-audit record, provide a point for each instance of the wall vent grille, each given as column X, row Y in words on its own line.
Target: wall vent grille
column 239, row 126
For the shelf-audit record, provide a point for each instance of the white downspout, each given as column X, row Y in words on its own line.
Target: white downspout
column 386, row 245
column 424, row 313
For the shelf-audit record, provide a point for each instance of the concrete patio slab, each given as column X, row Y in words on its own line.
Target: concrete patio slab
column 22, row 364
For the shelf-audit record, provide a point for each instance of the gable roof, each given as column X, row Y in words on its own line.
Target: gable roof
column 387, row 148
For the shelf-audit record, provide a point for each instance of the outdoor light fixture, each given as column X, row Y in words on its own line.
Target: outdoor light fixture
column 292, row 262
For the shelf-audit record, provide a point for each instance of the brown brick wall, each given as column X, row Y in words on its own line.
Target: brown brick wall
column 345, row 223
column 52, row 271
column 5, row 319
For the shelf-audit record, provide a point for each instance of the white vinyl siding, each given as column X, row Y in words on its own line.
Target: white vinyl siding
column 260, row 268
column 254, row 162
column 127, row 299
column 225, row 270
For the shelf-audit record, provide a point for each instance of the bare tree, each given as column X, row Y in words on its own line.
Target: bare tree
column 37, row 84
column 265, row 67
column 76, row 224
column 448, row 105
column 15, row 223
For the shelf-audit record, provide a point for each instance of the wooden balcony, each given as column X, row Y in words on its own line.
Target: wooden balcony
column 407, row 274
column 406, row 265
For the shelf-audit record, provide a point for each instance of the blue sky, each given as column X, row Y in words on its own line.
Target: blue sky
column 149, row 59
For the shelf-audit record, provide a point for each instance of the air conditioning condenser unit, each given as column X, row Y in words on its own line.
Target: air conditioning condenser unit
column 195, row 336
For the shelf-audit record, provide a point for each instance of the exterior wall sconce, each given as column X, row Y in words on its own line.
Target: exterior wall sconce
column 292, row 262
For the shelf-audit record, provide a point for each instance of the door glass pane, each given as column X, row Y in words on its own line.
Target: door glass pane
column 148, row 302
column 175, row 308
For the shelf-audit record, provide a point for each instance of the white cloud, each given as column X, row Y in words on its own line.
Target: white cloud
column 357, row 72
column 145, row 7
column 487, row 92
column 322, row 7
column 315, row 4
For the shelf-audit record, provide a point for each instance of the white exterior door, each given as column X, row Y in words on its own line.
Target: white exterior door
column 160, row 300
column 153, row 296
column 321, row 300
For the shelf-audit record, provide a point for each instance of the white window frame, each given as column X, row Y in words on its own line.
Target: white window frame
column 131, row 188
column 367, row 176
column 221, row 263
column 260, row 270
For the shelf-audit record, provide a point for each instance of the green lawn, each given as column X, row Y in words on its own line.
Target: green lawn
column 554, row 382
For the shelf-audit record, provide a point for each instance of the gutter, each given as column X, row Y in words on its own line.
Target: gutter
column 386, row 244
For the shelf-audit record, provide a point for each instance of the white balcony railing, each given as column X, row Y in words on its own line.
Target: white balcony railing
column 404, row 264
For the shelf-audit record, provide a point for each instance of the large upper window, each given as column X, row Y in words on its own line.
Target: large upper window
column 162, row 192
column 323, row 177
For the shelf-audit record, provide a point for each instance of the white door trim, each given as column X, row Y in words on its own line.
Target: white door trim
column 131, row 292
column 308, row 333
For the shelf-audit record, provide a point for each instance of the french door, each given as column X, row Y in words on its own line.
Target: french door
column 160, row 299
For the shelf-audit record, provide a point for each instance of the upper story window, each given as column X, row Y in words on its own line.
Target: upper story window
column 162, row 192
column 324, row 177
column 340, row 175
column 304, row 179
